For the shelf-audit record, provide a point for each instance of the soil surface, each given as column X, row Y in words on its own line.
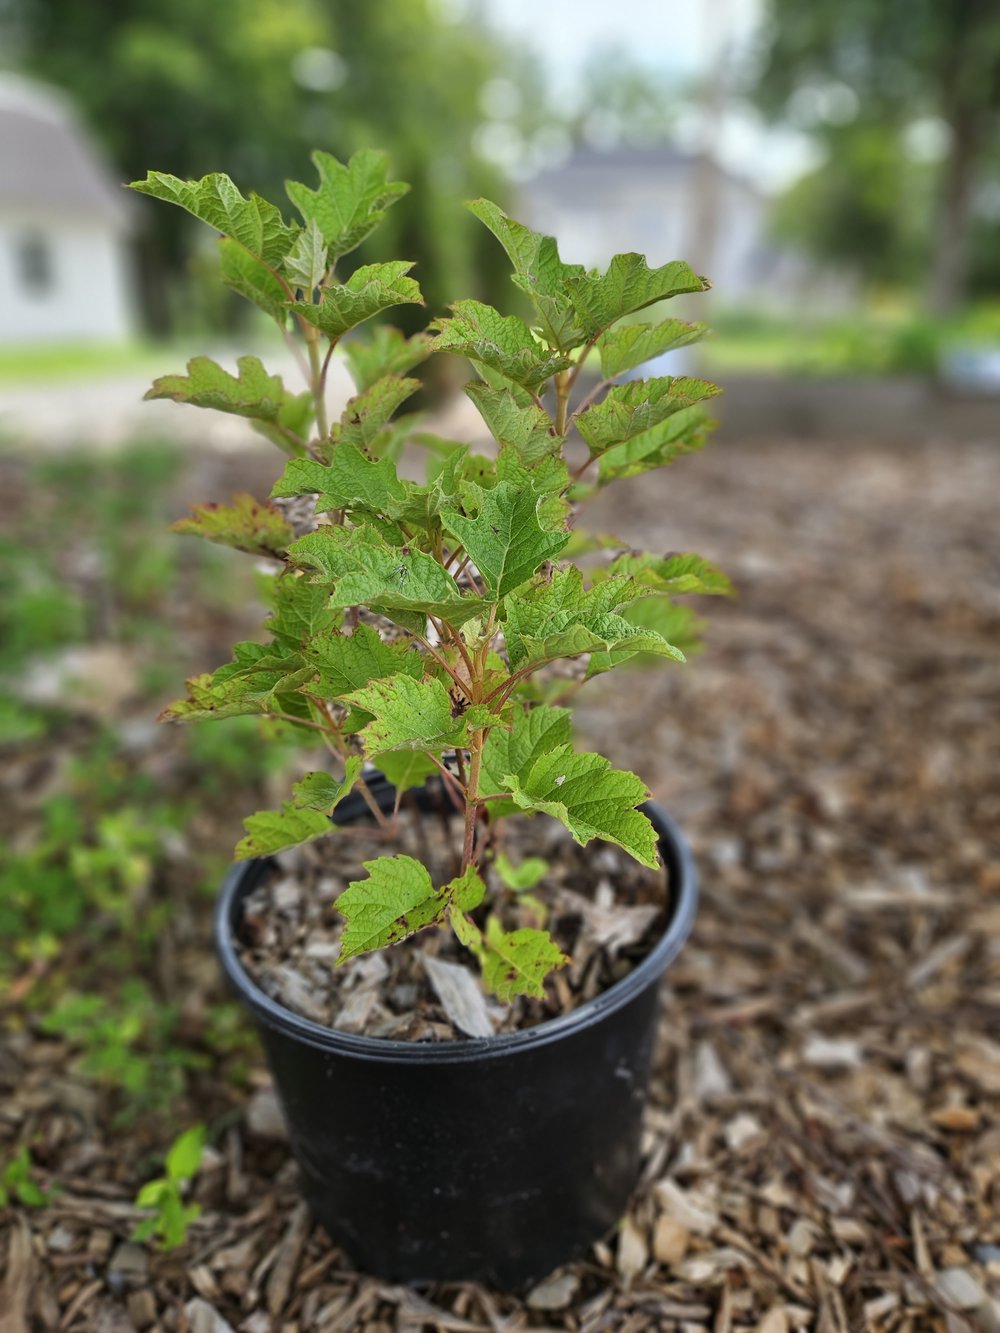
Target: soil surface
column 603, row 911
column 822, row 1148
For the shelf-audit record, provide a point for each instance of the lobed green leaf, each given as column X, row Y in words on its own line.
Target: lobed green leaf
column 539, row 273
column 247, row 524
column 517, row 962
column 245, row 274
column 504, row 343
column 601, row 299
column 305, row 817
column 632, row 345
column 396, row 900
column 306, row 261
column 588, row 796
column 348, row 662
column 635, row 409
column 253, row 223
column 681, row 572
column 350, row 200
column 363, row 569
column 505, row 540
column 411, row 714
column 526, row 429
column 252, row 393
column 535, row 732
column 367, row 292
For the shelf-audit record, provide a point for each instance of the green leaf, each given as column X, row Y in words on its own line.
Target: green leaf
column 682, row 572
column 245, row 274
column 350, row 481
column 502, row 342
column 246, row 686
column 398, row 899
column 366, row 415
column 348, row 662
column 548, row 478
column 405, row 768
column 306, row 262
column 247, row 524
column 322, row 791
column 658, row 615
column 683, row 433
column 350, row 200
column 539, row 272
column 523, row 876
column 151, row 1195
column 368, row 290
column 534, row 733
column 305, row 817
column 632, row 345
column 591, row 798
column 254, row 223
column 251, row 393
column 301, row 610
column 629, row 284
column 384, row 351
column 411, row 715
column 517, row 962
column 364, row 570
column 207, row 699
column 528, row 430
column 505, row 540
column 561, row 619
column 635, row 409
column 184, row 1157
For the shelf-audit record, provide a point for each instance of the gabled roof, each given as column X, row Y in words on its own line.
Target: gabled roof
column 47, row 160
column 658, row 161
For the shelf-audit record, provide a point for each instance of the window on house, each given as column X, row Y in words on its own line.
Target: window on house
column 35, row 264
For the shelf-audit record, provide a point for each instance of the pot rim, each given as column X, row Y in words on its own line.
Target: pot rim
column 682, row 878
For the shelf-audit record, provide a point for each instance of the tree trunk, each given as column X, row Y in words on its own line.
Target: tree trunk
column 954, row 216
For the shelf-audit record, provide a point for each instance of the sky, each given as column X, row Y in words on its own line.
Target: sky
column 684, row 39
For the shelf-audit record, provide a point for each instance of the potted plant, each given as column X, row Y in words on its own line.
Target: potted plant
column 428, row 633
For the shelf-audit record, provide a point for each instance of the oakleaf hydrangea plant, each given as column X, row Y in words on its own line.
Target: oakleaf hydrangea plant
column 419, row 627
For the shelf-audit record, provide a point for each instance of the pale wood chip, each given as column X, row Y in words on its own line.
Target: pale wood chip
column 17, row 1282
column 633, row 1250
column 460, row 996
column 286, row 1262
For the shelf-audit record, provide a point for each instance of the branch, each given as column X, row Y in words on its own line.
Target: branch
column 462, row 685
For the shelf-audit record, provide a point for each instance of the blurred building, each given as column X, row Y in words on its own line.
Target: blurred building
column 670, row 204
column 64, row 225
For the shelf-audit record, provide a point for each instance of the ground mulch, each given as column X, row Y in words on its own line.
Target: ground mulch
column 822, row 1148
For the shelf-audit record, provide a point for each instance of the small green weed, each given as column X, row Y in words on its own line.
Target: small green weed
column 165, row 1195
column 18, row 1186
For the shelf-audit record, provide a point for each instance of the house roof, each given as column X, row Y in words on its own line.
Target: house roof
column 656, row 161
column 47, row 160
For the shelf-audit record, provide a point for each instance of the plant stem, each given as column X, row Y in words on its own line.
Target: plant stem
column 472, row 800
column 373, row 805
column 317, row 382
column 563, row 384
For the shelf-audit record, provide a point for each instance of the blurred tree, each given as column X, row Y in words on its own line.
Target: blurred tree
column 903, row 61
column 866, row 206
column 249, row 86
column 624, row 102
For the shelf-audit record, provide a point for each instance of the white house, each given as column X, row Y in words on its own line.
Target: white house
column 670, row 204
column 64, row 224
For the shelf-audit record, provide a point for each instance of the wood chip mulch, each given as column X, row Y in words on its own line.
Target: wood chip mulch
column 823, row 1140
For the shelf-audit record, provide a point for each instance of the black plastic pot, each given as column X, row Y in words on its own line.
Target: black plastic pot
column 493, row 1159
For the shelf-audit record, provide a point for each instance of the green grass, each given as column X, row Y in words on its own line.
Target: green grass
column 889, row 341
column 75, row 360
